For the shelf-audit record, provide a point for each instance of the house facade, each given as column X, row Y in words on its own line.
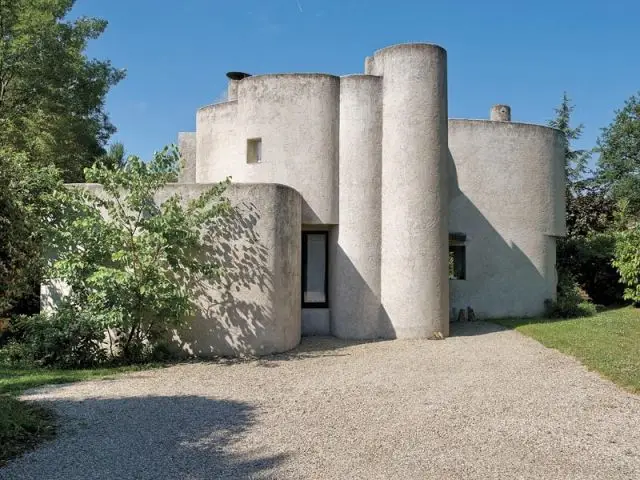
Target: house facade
column 377, row 215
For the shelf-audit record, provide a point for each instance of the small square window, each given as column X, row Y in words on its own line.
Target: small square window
column 254, row 150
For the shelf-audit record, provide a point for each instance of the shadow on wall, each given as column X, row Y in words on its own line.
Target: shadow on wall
column 501, row 280
column 148, row 437
column 234, row 312
column 356, row 311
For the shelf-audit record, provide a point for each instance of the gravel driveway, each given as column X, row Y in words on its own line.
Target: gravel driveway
column 484, row 404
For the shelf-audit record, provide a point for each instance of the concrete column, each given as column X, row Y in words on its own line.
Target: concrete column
column 232, row 90
column 501, row 113
column 414, row 203
column 355, row 299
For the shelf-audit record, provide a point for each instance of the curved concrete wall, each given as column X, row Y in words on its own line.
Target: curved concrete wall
column 255, row 308
column 511, row 206
column 414, row 203
column 296, row 116
column 355, row 298
column 219, row 149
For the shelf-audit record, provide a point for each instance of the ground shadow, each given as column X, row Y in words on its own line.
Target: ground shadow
column 181, row 437
column 472, row 329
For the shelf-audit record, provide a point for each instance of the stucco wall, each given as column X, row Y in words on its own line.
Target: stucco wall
column 355, row 291
column 255, row 309
column 509, row 201
column 296, row 116
column 414, row 275
column 219, row 150
column 187, row 149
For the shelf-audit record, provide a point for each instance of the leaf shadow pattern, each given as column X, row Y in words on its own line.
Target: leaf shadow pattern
column 147, row 437
column 234, row 313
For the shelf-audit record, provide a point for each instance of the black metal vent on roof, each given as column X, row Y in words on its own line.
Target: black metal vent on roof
column 237, row 75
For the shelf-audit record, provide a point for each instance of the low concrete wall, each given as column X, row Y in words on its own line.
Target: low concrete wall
column 255, row 308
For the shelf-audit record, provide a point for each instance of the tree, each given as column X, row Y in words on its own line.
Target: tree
column 589, row 210
column 619, row 162
column 133, row 264
column 584, row 257
column 116, row 156
column 575, row 161
column 51, row 114
column 25, row 204
column 51, row 95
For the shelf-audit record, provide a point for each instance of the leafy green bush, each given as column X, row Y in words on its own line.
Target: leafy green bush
column 64, row 338
column 627, row 261
column 571, row 301
column 589, row 260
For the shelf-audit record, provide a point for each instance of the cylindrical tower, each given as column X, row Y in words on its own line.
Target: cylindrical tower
column 414, row 203
column 356, row 289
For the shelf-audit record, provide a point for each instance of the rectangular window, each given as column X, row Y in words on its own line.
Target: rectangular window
column 314, row 269
column 457, row 256
column 254, row 150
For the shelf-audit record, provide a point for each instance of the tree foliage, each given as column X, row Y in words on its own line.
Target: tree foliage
column 51, row 115
column 133, row 263
column 627, row 261
column 115, row 157
column 575, row 160
column 590, row 210
column 619, row 162
column 51, row 95
column 26, row 202
column 584, row 257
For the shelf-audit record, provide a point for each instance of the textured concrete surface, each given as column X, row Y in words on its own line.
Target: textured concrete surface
column 316, row 321
column 255, row 307
column 355, row 298
column 500, row 113
column 483, row 404
column 297, row 118
column 414, row 284
column 509, row 179
column 187, row 148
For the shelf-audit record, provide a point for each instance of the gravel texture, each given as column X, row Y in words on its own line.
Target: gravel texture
column 484, row 404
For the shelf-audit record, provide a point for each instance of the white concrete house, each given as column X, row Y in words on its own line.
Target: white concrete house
column 360, row 189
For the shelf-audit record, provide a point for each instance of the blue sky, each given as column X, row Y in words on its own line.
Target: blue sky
column 524, row 54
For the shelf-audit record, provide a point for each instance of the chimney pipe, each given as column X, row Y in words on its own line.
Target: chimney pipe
column 501, row 113
column 234, row 80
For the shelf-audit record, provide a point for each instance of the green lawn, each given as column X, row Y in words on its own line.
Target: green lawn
column 22, row 425
column 608, row 342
